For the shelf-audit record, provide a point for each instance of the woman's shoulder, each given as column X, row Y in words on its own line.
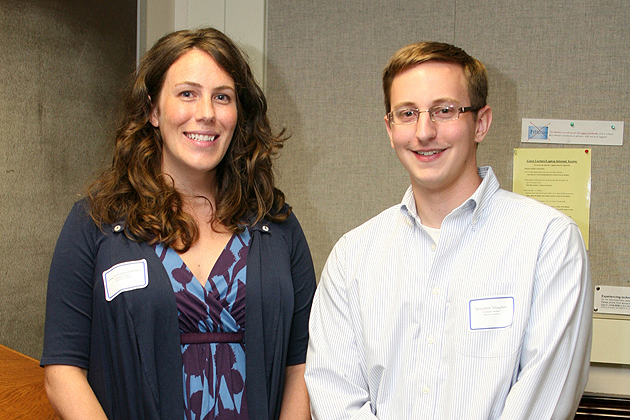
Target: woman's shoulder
column 281, row 220
column 285, row 217
column 80, row 213
column 80, row 220
column 79, row 233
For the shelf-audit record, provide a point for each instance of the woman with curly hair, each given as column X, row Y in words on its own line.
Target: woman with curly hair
column 180, row 287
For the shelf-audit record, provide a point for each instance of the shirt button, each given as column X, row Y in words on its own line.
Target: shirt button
column 430, row 340
column 436, row 291
column 265, row 228
column 117, row 228
column 425, row 389
column 433, row 247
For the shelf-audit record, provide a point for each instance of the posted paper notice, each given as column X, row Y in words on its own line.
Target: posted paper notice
column 601, row 133
column 560, row 178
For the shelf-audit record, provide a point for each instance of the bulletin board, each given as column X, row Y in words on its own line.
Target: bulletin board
column 545, row 59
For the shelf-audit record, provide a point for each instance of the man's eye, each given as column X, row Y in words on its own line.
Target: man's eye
column 444, row 112
column 406, row 113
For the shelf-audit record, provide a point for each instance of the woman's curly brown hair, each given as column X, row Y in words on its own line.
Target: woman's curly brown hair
column 134, row 189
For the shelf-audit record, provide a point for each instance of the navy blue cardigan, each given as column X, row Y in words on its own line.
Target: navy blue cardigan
column 130, row 345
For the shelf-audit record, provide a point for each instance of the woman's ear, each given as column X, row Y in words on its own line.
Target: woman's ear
column 153, row 119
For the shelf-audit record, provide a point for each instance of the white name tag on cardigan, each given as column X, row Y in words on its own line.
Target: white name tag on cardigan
column 491, row 312
column 129, row 275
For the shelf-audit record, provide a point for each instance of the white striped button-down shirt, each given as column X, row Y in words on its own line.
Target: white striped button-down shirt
column 492, row 322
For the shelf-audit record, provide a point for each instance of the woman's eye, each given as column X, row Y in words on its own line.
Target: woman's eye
column 186, row 94
column 222, row 97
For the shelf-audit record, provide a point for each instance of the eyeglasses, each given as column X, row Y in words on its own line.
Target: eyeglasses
column 438, row 113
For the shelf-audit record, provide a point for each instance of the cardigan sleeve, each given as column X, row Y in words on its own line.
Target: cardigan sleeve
column 279, row 292
column 67, row 332
column 303, row 276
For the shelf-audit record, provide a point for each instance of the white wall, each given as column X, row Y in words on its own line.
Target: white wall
column 610, row 356
column 243, row 20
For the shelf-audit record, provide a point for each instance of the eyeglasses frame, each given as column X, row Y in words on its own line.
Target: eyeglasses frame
column 461, row 110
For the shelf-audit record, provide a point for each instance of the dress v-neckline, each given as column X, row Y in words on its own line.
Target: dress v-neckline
column 214, row 266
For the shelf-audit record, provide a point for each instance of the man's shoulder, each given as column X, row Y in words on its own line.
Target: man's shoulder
column 520, row 207
column 380, row 223
column 359, row 246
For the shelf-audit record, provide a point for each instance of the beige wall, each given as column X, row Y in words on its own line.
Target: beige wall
column 62, row 64
column 546, row 59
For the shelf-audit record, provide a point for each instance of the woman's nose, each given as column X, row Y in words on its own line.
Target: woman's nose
column 205, row 109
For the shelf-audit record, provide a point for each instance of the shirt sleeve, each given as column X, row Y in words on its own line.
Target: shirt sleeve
column 303, row 277
column 555, row 359
column 67, row 331
column 335, row 363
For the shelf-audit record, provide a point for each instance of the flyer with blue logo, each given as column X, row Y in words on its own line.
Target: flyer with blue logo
column 601, row 133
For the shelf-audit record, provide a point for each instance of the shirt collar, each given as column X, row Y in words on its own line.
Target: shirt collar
column 408, row 205
column 477, row 201
column 481, row 198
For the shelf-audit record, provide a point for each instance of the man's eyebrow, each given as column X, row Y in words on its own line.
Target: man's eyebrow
column 407, row 104
column 436, row 102
column 445, row 100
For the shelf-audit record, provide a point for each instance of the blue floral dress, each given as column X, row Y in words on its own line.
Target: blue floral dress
column 214, row 364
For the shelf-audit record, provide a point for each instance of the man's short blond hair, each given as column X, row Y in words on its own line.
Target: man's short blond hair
column 421, row 52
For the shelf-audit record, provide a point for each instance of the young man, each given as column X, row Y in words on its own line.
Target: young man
column 464, row 301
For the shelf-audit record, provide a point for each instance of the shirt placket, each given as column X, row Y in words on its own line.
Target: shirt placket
column 430, row 297
column 441, row 258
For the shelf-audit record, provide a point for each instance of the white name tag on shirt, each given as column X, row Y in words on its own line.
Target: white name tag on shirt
column 491, row 312
column 126, row 276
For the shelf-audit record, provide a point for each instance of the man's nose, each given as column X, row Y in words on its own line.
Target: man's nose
column 425, row 127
